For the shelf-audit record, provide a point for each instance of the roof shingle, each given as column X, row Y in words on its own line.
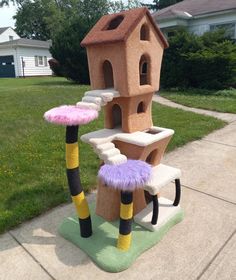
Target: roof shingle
column 27, row 42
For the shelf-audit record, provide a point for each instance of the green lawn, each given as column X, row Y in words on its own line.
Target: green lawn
column 32, row 167
column 221, row 101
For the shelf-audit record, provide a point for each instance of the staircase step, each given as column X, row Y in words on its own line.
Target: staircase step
column 104, row 147
column 117, row 159
column 106, row 96
column 88, row 105
column 104, row 93
column 93, row 99
column 106, row 155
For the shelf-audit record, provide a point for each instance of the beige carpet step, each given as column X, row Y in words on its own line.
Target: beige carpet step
column 93, row 99
column 106, row 155
column 117, row 159
column 104, row 147
column 107, row 95
column 88, row 105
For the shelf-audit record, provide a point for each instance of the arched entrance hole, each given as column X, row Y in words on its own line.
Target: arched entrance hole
column 108, row 74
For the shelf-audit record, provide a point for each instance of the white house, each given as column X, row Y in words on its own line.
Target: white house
column 198, row 16
column 21, row 57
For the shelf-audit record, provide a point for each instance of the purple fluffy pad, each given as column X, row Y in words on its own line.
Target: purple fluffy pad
column 70, row 115
column 126, row 176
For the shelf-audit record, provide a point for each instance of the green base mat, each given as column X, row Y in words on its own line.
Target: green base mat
column 101, row 246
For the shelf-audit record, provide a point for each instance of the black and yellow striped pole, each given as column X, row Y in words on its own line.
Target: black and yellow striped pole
column 72, row 116
column 73, row 176
column 126, row 177
column 126, row 217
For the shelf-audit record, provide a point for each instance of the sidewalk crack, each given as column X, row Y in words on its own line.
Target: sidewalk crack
column 211, row 141
column 216, row 255
column 211, row 195
column 28, row 252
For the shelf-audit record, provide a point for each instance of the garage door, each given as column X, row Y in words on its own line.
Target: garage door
column 7, row 68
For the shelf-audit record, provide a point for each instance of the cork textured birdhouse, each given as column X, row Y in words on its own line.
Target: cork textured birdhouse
column 125, row 53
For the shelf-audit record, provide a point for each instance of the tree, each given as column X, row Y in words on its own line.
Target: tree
column 160, row 4
column 38, row 19
column 67, row 51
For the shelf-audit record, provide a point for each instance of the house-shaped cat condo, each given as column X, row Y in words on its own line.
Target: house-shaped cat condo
column 124, row 55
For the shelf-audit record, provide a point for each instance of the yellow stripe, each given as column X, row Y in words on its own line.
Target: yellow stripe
column 124, row 242
column 126, row 211
column 81, row 205
column 72, row 155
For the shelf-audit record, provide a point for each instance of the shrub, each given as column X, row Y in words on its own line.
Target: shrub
column 208, row 61
column 55, row 67
column 67, row 50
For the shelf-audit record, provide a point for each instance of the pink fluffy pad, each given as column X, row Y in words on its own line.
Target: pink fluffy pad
column 127, row 176
column 70, row 115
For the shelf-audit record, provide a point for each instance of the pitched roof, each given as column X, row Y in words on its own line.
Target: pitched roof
column 195, row 8
column 100, row 34
column 2, row 29
column 27, row 42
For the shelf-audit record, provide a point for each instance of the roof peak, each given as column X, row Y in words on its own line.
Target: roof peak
column 113, row 28
column 2, row 29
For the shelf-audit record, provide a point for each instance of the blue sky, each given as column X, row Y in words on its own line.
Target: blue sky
column 6, row 14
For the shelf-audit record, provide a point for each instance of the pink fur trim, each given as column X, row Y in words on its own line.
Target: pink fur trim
column 70, row 115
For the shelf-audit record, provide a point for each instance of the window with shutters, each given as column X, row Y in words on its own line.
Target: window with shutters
column 41, row 61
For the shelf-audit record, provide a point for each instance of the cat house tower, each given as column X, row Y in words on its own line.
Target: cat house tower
column 124, row 55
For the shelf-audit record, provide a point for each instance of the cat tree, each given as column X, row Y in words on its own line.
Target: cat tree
column 124, row 54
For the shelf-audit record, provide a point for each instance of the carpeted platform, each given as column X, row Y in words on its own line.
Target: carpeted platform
column 101, row 246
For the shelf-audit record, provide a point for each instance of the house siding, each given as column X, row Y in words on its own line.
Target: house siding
column 200, row 25
column 28, row 55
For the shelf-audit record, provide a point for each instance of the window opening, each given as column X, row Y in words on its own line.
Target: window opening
column 115, row 22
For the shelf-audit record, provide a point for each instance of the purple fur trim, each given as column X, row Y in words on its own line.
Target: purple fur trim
column 127, row 176
column 70, row 115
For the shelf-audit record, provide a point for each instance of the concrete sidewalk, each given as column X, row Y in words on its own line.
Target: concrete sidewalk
column 223, row 116
column 202, row 246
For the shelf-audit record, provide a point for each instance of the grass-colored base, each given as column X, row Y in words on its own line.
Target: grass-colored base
column 101, row 246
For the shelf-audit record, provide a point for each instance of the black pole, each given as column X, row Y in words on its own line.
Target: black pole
column 177, row 192
column 23, row 66
column 155, row 209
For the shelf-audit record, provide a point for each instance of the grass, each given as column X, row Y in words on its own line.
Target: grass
column 32, row 167
column 220, row 101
